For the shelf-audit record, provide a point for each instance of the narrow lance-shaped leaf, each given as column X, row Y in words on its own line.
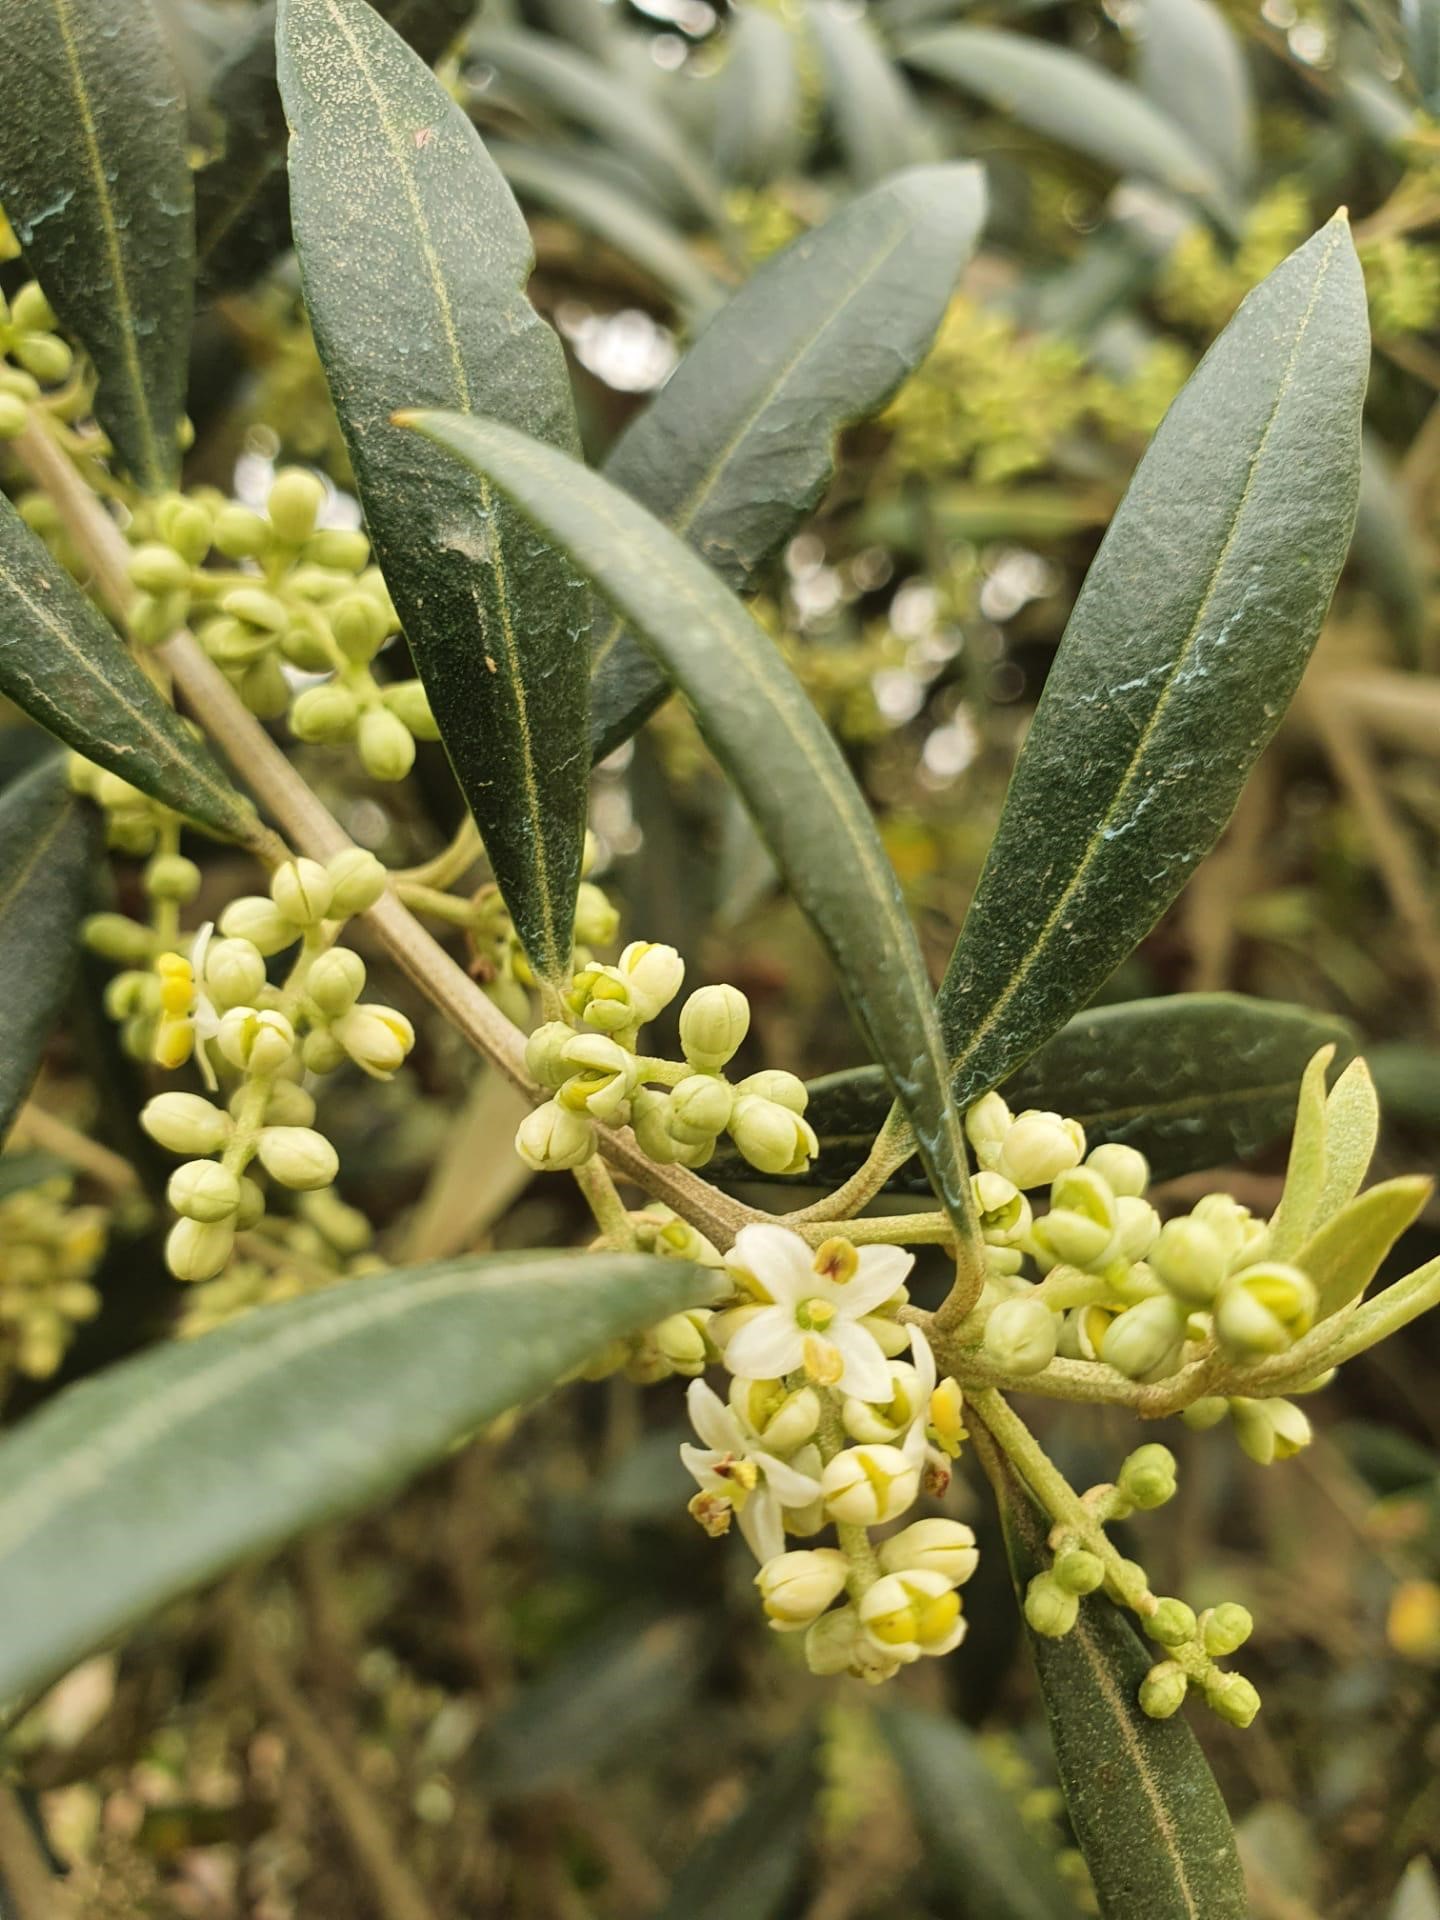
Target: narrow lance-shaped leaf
column 1352, row 1127
column 94, row 178
column 1073, row 101
column 47, row 846
column 1172, row 1854
column 1345, row 1253
column 759, row 128
column 1294, row 1217
column 1193, row 68
column 765, row 733
column 877, row 120
column 414, row 259
column 164, row 1471
column 1188, row 639
column 63, row 665
column 739, row 444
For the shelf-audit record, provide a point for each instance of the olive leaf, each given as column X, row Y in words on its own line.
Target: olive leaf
column 164, row 1471
column 1345, row 1253
column 1172, row 1856
column 95, row 181
column 750, row 1868
column 1352, row 1127
column 1193, row 68
column 877, row 119
column 1189, row 636
column 47, row 850
column 61, row 663
column 1305, row 1171
column 414, row 259
column 762, row 728
column 738, row 445
column 759, row 128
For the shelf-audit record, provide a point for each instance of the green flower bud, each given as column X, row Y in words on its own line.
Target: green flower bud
column 650, row 1122
column 1145, row 1340
column 932, row 1546
column 259, row 921
column 410, row 704
column 1040, row 1147
column 681, row 1341
column 1172, row 1623
column 240, row 533
column 1049, row 1609
column 185, row 1123
column 251, row 1210
column 1076, row 1570
column 1021, row 1335
column 286, row 1105
column 346, row 1228
column 258, row 1042
column 187, row 526
column 1004, row 1211
column 294, row 504
column 387, row 746
column 1163, row 1690
column 31, row 310
column 605, row 1081
column 159, row 569
column 1190, row 1260
column 114, row 937
column 773, row 1083
column 322, row 1052
column 359, row 626
column 1263, row 1309
column 596, row 921
column 654, row 974
column 554, row 1137
column 131, row 993
column 771, row 1137
column 866, row 1486
column 832, row 1643
column 230, row 643
column 45, row 355
column 1269, row 1430
column 796, row 1587
column 14, row 416
column 344, row 548
column 234, row 973
column 1225, row 1629
column 197, row 1249
column 1125, row 1170
column 325, row 715
column 256, row 607
column 1137, row 1228
column 1233, row 1697
column 335, row 981
column 1242, row 1237
column 297, row 1157
column 602, row 999
column 377, row 1038
column 713, row 1024
column 986, row 1125
column 1147, row 1476
column 170, row 876
column 204, row 1190
column 702, row 1105
column 152, row 621
column 357, row 880
column 306, row 644
column 1205, row 1413
column 302, row 891
column 264, row 689
column 545, row 1054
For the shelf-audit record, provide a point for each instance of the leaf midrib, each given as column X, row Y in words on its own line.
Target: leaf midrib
column 35, row 857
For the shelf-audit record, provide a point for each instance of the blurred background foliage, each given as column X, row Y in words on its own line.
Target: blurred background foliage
column 531, row 1687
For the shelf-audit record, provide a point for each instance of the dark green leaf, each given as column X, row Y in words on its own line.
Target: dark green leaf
column 1407, row 1078
column 877, row 119
column 981, row 1853
column 738, row 445
column 242, row 199
column 1193, row 1081
column 1384, row 551
column 414, row 258
column 1071, row 100
column 759, row 111
column 65, row 667
column 1143, row 1803
column 166, row 1470
column 47, row 846
column 1190, row 634
column 18, row 1171
column 94, row 178
column 1422, row 36
column 1344, row 1255
column 765, row 733
column 1192, row 67
column 566, row 184
column 749, row 1868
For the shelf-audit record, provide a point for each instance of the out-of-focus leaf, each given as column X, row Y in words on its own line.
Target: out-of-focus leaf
column 1305, row 1171
column 1418, row 1895
column 758, row 123
column 1192, row 67
column 1407, row 1077
column 20, row 1171
column 749, row 1868
column 1422, row 38
column 242, row 198
column 1352, row 1127
column 1173, row 1855
column 1344, row 1255
column 1384, row 552
column 565, row 184
column 739, row 444
column 47, row 845
column 414, row 258
column 1190, row 634
column 1073, row 101
column 760, row 725
column 63, row 665
column 981, row 1853
column 1388, row 119
column 877, row 120
column 163, row 1471
column 94, row 179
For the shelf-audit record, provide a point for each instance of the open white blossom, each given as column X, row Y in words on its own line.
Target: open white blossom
column 811, row 1307
column 736, row 1475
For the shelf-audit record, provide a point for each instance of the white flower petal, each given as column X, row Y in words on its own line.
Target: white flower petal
column 779, row 1260
column 883, row 1271
column 766, row 1347
column 790, row 1488
column 761, row 1525
column 924, row 1364
column 712, row 1419
column 867, row 1373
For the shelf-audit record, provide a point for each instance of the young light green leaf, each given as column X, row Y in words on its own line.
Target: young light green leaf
column 566, row 184
column 1293, row 1219
column 1418, row 1895
column 877, row 119
column 1344, row 1254
column 980, row 1851
column 162, row 1472
column 94, row 178
column 762, row 728
column 1141, row 1072
column 65, row 667
column 759, row 110
column 242, row 198
column 1071, row 100
column 414, row 258
column 750, row 1868
column 738, row 445
column 47, row 851
column 1172, row 1856
column 1192, row 67
column 1352, row 1127
column 1190, row 634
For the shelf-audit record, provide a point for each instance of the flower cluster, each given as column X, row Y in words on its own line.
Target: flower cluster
column 297, row 599
column 48, row 1250
column 323, row 1243
column 826, row 1422
column 32, row 356
column 593, row 1066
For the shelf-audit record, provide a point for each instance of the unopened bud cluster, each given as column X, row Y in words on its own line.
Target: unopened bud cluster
column 32, row 357
column 324, row 1242
column 49, row 1248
